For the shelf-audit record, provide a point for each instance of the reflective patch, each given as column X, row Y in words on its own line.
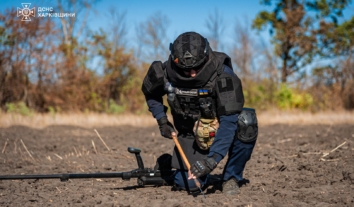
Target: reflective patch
column 187, row 92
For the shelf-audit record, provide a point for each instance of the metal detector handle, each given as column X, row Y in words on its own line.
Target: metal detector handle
column 137, row 151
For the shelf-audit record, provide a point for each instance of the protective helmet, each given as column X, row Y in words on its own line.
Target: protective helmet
column 189, row 50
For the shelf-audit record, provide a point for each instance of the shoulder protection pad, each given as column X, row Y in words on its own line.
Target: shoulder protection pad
column 225, row 59
column 229, row 94
column 153, row 83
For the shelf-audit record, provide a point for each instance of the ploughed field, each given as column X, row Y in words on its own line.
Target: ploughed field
column 290, row 166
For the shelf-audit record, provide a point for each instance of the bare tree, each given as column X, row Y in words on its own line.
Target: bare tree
column 348, row 85
column 151, row 35
column 118, row 27
column 69, row 24
column 243, row 50
column 343, row 77
column 139, row 31
column 216, row 27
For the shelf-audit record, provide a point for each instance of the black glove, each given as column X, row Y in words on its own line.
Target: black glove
column 166, row 128
column 203, row 167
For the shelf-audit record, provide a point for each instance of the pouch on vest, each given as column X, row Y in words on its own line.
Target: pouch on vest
column 153, row 83
column 230, row 98
column 205, row 131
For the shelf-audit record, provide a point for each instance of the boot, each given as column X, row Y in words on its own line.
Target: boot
column 230, row 187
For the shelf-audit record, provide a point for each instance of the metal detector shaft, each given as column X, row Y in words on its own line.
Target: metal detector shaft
column 145, row 176
column 65, row 177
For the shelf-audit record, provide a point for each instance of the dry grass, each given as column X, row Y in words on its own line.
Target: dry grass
column 75, row 119
column 99, row 120
column 305, row 118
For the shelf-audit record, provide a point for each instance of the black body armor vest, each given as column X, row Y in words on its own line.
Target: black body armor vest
column 193, row 98
column 192, row 102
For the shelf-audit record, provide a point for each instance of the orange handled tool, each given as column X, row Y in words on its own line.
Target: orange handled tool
column 185, row 160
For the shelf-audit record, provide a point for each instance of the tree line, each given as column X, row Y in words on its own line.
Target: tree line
column 59, row 65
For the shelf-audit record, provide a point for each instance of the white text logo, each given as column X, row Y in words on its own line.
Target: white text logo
column 26, row 12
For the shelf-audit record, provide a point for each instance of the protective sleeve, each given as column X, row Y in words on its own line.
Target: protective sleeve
column 224, row 137
column 229, row 93
column 153, row 89
column 156, row 107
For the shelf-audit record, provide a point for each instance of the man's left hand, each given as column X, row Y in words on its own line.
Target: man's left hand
column 203, row 167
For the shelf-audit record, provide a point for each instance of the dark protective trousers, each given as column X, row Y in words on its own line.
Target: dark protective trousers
column 238, row 155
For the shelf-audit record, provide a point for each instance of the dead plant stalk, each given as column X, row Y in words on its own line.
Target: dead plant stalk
column 94, row 146
column 58, row 156
column 3, row 149
column 102, row 140
column 327, row 153
column 26, row 149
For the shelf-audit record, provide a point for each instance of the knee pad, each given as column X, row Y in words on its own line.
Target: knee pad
column 247, row 125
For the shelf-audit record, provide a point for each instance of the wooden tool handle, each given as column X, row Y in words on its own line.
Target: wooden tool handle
column 180, row 150
column 185, row 160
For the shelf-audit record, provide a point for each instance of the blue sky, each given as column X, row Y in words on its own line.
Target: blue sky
column 183, row 15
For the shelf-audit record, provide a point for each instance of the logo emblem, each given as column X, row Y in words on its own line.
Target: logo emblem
column 187, row 54
column 25, row 12
column 187, row 92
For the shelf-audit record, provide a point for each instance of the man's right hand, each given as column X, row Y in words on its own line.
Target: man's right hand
column 166, row 128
